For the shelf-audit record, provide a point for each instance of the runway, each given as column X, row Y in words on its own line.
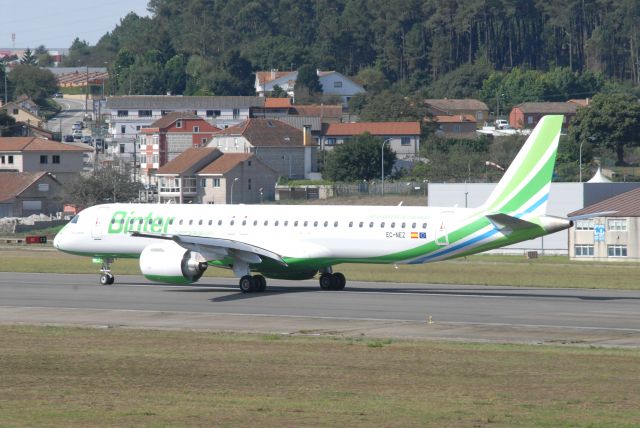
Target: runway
column 419, row 311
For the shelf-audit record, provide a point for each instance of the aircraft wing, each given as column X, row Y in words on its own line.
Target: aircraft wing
column 218, row 248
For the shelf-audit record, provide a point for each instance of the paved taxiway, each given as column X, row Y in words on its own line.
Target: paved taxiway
column 475, row 313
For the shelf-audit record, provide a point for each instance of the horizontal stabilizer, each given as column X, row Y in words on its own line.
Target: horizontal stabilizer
column 507, row 224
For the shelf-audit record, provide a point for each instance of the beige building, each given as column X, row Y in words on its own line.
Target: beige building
column 205, row 175
column 22, row 115
column 612, row 234
column 289, row 151
column 32, row 154
column 456, row 107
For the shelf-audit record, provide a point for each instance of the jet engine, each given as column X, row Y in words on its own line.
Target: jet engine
column 168, row 262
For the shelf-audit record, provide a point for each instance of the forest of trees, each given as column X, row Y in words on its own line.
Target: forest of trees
column 214, row 46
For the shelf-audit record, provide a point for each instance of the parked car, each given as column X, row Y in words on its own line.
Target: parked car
column 68, row 138
column 77, row 134
column 58, row 95
column 86, row 139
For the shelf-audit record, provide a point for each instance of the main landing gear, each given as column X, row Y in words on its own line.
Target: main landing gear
column 107, row 277
column 332, row 281
column 252, row 284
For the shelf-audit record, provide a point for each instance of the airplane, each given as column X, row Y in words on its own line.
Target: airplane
column 176, row 243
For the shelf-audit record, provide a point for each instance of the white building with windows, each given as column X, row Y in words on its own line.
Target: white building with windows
column 612, row 234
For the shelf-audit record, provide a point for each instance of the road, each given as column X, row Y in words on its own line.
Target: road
column 72, row 111
column 470, row 313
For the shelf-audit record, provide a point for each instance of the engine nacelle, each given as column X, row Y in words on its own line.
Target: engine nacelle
column 167, row 261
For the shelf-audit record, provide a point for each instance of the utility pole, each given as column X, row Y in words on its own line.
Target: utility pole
column 86, row 92
column 6, row 95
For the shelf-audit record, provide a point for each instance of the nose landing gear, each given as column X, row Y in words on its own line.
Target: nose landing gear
column 107, row 277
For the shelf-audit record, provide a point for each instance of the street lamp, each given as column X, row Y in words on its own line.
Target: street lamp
column 232, row 183
column 580, row 161
column 382, row 163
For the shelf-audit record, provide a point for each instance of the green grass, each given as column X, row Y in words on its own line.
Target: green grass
column 548, row 271
column 76, row 377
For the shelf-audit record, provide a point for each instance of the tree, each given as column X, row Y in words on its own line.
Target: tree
column 278, row 92
column 307, row 81
column 34, row 82
column 104, row 185
column 6, row 124
column 392, row 106
column 358, row 159
column 28, row 58
column 611, row 121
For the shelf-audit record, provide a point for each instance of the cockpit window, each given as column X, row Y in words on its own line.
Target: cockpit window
column 75, row 219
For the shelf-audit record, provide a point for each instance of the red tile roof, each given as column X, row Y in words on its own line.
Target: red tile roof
column 547, row 107
column 625, row 204
column 14, row 183
column 268, row 76
column 446, row 104
column 35, row 144
column 225, row 163
column 266, row 133
column 373, row 128
column 168, row 119
column 190, row 159
column 277, row 103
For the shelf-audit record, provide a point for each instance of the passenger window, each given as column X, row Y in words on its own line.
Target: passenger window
column 306, row 223
column 404, row 224
column 276, row 223
column 335, row 224
column 315, row 224
column 295, row 223
column 171, row 222
column 371, row 224
column 382, row 224
column 219, row 222
column 286, row 222
column 255, row 222
column 190, row 222
column 113, row 221
column 350, row 224
column 244, row 222
column 76, row 217
column 180, row 222
column 131, row 221
column 326, row 223
column 210, row 222
column 360, row 224
column 413, row 225
column 393, row 225
column 200, row 223
column 231, row 222
column 424, row 225
column 266, row 222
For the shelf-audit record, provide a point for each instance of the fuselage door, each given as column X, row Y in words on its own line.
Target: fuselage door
column 99, row 223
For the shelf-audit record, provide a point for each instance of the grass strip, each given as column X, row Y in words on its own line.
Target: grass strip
column 76, row 377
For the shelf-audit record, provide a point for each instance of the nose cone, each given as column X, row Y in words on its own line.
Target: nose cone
column 56, row 241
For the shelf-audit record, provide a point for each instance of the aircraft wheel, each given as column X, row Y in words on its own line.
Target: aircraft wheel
column 107, row 279
column 247, row 284
column 261, row 282
column 339, row 281
column 326, row 281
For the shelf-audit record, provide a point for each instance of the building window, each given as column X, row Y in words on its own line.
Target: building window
column 530, row 120
column 248, row 163
column 216, row 182
column 44, row 159
column 123, row 113
column 203, row 141
column 456, row 128
column 337, row 84
column 196, row 129
column 203, row 182
column 144, row 113
column 479, row 115
column 10, row 159
column 165, row 112
column 178, row 124
column 617, row 224
column 121, row 148
column 249, row 184
column 586, row 224
column 143, row 158
column 236, row 113
column 138, row 127
column 156, row 158
column 209, row 113
column 2, row 159
column 43, row 187
column 123, row 129
column 405, row 141
column 331, row 141
column 584, row 250
column 55, row 159
column 15, row 111
column 617, row 250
